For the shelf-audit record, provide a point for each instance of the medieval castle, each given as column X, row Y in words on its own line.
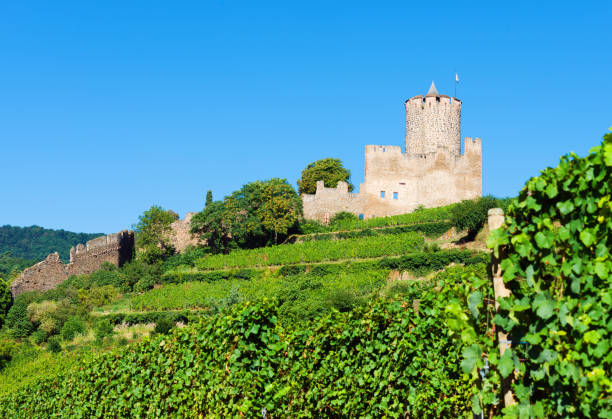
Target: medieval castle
column 431, row 172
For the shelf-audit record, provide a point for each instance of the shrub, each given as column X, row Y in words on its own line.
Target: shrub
column 74, row 326
column 163, row 326
column 17, row 319
column 342, row 216
column 103, row 329
column 6, row 352
column 5, row 300
column 54, row 345
column 39, row 336
column 145, row 283
column 98, row 296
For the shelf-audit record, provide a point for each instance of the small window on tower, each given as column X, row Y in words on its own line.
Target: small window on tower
column 384, row 150
column 394, row 195
column 382, row 194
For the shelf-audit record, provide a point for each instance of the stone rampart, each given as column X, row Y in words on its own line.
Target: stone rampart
column 115, row 248
column 326, row 202
column 180, row 236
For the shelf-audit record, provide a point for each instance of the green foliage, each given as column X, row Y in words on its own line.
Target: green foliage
column 430, row 229
column 342, row 216
column 387, row 359
column 17, row 320
column 555, row 250
column 103, row 329
column 368, row 247
column 153, row 234
column 258, row 214
column 209, row 198
column 329, row 170
column 72, row 327
column 7, row 348
column 425, row 215
column 40, row 336
column 5, row 300
column 35, row 243
column 97, row 296
column 9, row 264
column 471, row 215
column 163, row 326
column 184, row 316
column 54, row 345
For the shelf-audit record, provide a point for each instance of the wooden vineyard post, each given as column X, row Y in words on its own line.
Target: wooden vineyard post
column 496, row 220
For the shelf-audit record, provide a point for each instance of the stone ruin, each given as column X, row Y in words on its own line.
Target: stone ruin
column 117, row 248
column 180, row 237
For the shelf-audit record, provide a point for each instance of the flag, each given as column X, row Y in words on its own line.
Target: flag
column 456, row 78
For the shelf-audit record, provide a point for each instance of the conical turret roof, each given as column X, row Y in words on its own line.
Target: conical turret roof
column 432, row 91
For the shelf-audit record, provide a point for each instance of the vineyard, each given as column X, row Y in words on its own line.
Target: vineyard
column 309, row 252
column 373, row 318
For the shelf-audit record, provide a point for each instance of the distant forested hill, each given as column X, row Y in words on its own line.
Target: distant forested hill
column 36, row 243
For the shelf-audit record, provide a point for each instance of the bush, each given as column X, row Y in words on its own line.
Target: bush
column 5, row 300
column 6, row 352
column 145, row 283
column 163, row 326
column 98, row 296
column 54, row 345
column 40, row 336
column 17, row 319
column 103, row 329
column 342, row 216
column 73, row 327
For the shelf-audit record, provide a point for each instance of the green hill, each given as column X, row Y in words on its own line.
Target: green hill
column 36, row 242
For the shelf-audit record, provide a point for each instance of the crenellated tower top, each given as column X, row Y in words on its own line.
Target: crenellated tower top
column 433, row 121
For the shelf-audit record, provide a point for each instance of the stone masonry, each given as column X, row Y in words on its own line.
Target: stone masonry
column 115, row 248
column 431, row 172
column 180, row 236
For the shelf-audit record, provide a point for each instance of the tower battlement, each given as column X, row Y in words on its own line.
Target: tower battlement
column 433, row 121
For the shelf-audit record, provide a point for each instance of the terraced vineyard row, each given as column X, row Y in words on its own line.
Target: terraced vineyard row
column 309, row 252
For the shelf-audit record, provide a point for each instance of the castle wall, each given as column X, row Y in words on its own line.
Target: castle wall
column 326, row 202
column 180, row 235
column 433, row 122
column 408, row 180
column 115, row 248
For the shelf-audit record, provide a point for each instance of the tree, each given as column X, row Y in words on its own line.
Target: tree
column 209, row 198
column 329, row 170
column 252, row 216
column 153, row 230
column 281, row 208
column 5, row 300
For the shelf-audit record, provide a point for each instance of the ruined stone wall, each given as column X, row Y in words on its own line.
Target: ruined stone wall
column 431, row 123
column 326, row 202
column 409, row 180
column 115, row 248
column 180, row 236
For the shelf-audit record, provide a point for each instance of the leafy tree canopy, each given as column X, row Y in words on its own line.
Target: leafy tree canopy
column 36, row 243
column 329, row 170
column 256, row 215
column 5, row 300
column 153, row 233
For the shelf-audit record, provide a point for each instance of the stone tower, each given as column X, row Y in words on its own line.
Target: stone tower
column 433, row 121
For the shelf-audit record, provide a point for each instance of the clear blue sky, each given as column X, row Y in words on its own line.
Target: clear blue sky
column 110, row 108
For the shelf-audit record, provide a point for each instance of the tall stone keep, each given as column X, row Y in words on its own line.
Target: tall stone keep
column 431, row 171
column 433, row 121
